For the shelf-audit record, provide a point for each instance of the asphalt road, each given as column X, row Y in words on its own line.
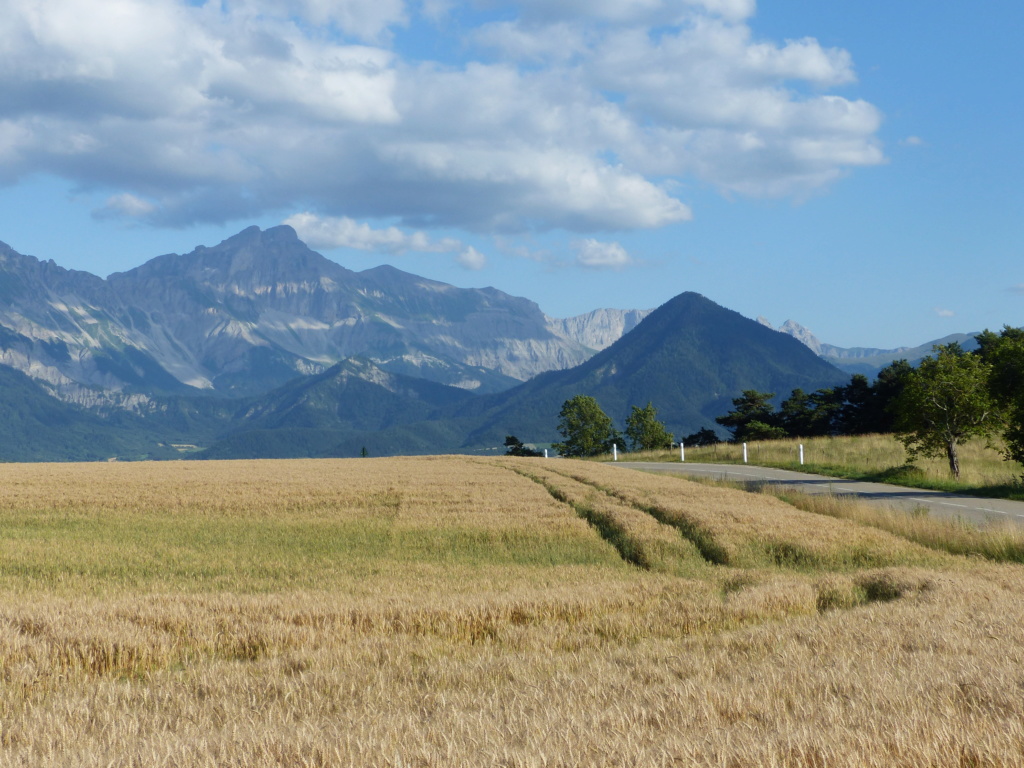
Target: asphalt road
column 969, row 508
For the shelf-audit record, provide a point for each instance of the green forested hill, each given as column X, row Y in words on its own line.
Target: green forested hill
column 689, row 357
column 38, row 427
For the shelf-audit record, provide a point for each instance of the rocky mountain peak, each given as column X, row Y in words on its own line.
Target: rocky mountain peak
column 802, row 334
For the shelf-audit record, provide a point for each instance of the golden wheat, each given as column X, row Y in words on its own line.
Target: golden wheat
column 454, row 612
column 749, row 531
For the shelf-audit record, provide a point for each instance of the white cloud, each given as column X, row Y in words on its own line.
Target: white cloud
column 559, row 41
column 576, row 116
column 436, row 10
column 126, row 205
column 364, row 19
column 944, row 312
column 594, row 254
column 343, row 232
column 913, row 141
column 472, row 259
column 630, row 11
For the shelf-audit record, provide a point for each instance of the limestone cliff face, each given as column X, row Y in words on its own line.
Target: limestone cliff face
column 599, row 329
column 255, row 311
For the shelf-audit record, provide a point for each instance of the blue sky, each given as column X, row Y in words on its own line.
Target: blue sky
column 855, row 166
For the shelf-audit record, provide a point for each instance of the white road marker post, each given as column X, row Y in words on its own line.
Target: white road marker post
column 615, row 452
column 744, row 453
column 801, row 454
column 545, row 453
column 682, row 452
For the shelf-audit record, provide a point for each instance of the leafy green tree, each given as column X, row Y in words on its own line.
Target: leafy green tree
column 753, row 417
column 516, row 448
column 944, row 403
column 1005, row 353
column 585, row 428
column 645, row 432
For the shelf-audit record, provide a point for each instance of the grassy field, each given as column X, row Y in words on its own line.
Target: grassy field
column 469, row 612
column 878, row 458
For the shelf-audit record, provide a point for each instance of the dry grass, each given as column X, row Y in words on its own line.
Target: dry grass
column 1001, row 542
column 879, row 457
column 453, row 612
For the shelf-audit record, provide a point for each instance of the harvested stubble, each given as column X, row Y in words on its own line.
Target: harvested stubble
column 464, row 649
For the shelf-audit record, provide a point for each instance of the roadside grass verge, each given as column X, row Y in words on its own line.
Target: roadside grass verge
column 999, row 542
column 874, row 458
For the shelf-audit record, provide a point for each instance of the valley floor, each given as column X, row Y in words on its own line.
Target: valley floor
column 449, row 611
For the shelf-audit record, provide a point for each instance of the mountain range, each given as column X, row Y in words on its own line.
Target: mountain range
column 260, row 309
column 867, row 360
column 260, row 346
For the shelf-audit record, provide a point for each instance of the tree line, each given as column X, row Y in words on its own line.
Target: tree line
column 951, row 397
column 588, row 431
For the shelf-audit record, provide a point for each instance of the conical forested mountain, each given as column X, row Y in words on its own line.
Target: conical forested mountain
column 689, row 357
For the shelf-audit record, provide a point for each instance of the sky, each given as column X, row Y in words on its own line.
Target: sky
column 853, row 165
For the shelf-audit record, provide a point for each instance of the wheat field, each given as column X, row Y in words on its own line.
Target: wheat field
column 449, row 611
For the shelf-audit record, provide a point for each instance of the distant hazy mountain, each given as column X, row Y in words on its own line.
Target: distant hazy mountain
column 599, row 329
column 866, row 360
column 312, row 415
column 252, row 313
column 689, row 357
column 261, row 347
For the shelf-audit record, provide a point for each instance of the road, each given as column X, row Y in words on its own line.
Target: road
column 970, row 508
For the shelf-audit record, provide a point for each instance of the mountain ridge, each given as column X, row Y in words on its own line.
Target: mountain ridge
column 250, row 313
column 867, row 360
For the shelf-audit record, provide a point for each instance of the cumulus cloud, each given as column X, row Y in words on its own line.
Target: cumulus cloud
column 125, row 205
column 594, row 254
column 579, row 115
column 472, row 259
column 364, row 19
column 344, row 232
column 941, row 312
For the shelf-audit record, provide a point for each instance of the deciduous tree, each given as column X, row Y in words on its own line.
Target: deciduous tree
column 1005, row 353
column 945, row 402
column 645, row 432
column 586, row 429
